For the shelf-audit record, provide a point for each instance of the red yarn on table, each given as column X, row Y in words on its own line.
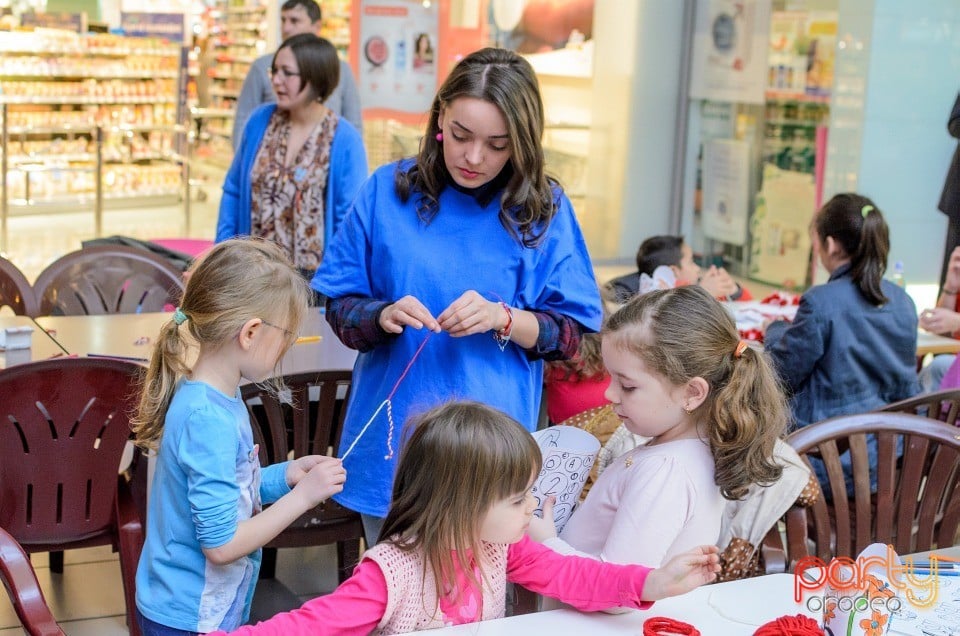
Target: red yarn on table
column 663, row 626
column 798, row 625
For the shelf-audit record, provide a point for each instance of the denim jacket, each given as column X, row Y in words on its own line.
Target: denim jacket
column 841, row 354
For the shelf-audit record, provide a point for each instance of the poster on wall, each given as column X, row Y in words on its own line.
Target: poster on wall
column 143, row 24
column 398, row 65
column 726, row 183
column 780, row 245
column 730, row 44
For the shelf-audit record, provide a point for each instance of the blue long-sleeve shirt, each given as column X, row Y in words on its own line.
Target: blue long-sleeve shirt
column 207, row 480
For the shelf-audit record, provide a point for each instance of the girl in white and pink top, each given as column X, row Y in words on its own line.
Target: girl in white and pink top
column 455, row 535
column 713, row 409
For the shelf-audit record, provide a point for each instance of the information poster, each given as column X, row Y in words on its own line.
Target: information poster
column 142, row 24
column 780, row 250
column 726, row 183
column 730, row 50
column 398, row 59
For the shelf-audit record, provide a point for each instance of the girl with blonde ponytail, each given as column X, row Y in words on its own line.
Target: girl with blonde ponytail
column 240, row 312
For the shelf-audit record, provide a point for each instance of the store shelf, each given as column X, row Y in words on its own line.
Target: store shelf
column 86, row 120
column 790, row 96
column 238, row 36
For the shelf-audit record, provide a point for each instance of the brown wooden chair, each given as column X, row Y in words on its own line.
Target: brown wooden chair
column 24, row 591
column 916, row 506
column 939, row 405
column 307, row 421
column 63, row 428
column 15, row 290
column 110, row 279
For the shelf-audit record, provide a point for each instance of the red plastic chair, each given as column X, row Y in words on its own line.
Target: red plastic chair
column 313, row 420
column 109, row 279
column 63, row 428
column 24, row 591
column 15, row 290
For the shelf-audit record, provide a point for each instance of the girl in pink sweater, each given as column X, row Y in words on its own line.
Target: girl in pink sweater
column 456, row 534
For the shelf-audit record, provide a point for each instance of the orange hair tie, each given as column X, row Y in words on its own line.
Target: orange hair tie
column 741, row 347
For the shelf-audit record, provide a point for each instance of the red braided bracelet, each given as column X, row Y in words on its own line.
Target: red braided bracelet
column 663, row 626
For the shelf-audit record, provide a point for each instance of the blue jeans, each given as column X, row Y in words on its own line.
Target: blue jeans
column 371, row 528
column 150, row 628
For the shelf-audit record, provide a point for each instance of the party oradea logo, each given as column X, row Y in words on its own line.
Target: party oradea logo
column 859, row 596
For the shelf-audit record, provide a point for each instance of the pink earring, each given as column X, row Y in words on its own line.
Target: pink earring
column 440, row 136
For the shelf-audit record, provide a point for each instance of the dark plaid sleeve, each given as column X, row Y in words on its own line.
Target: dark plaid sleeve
column 559, row 337
column 356, row 321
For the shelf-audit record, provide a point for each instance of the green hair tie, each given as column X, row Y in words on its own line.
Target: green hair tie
column 865, row 210
column 179, row 317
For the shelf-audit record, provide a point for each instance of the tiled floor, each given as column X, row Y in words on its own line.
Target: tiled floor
column 87, row 599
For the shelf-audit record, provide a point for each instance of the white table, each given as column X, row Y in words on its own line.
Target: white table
column 736, row 608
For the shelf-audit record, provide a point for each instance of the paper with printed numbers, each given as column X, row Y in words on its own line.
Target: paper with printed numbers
column 568, row 455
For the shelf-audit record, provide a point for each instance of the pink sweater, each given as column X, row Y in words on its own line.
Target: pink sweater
column 359, row 604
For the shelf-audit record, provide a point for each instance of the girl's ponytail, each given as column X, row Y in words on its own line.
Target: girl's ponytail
column 166, row 368
column 870, row 259
column 749, row 412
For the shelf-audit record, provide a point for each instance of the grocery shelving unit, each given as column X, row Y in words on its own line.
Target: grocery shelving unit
column 87, row 121
column 238, row 35
column 335, row 25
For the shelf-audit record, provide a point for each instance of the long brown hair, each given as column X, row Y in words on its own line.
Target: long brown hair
column 856, row 223
column 460, row 459
column 235, row 281
column 684, row 333
column 507, row 81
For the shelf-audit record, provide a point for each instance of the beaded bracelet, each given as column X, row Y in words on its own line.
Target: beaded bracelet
column 502, row 336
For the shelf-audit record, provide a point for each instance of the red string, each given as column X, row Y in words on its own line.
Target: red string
column 798, row 625
column 409, row 364
column 663, row 626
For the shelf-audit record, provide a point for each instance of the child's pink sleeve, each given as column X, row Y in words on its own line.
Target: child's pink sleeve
column 356, row 607
column 587, row 584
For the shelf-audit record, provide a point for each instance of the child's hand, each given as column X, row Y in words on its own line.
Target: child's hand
column 542, row 529
column 718, row 282
column 300, row 466
column 323, row 480
column 683, row 573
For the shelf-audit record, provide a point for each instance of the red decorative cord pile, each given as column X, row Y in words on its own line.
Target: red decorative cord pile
column 782, row 299
column 798, row 625
column 663, row 626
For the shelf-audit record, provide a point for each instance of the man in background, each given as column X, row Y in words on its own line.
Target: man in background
column 296, row 17
column 950, row 197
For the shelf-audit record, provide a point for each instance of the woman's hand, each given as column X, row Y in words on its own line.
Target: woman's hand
column 408, row 311
column 939, row 320
column 718, row 282
column 542, row 529
column 472, row 313
column 682, row 573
